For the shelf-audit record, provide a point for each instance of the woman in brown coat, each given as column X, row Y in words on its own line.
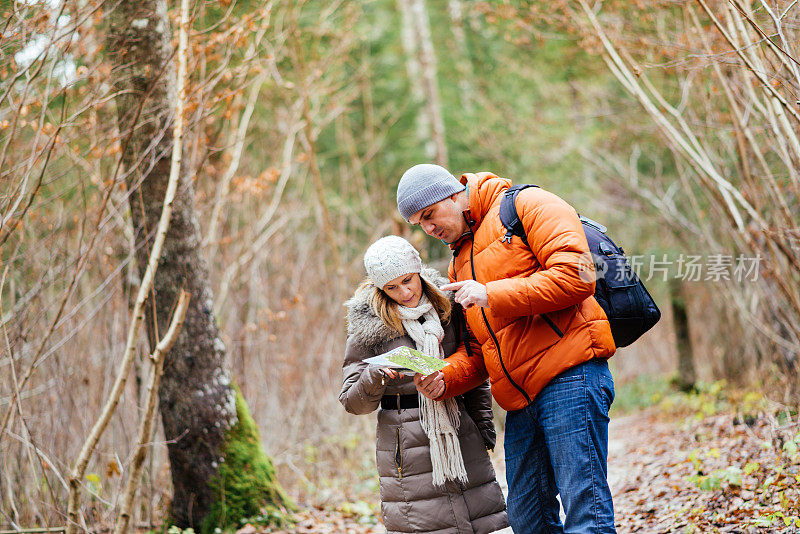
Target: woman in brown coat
column 434, row 469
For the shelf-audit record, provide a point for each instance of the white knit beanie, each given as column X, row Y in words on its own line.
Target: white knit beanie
column 390, row 257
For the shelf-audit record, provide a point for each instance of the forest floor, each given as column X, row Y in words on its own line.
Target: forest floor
column 702, row 463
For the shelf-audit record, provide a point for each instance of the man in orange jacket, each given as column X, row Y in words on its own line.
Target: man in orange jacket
column 543, row 337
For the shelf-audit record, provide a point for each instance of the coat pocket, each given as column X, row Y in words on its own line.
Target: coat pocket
column 398, row 455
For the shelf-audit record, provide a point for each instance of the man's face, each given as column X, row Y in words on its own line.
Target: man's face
column 442, row 220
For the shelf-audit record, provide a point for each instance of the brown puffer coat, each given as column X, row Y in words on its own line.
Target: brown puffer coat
column 554, row 275
column 409, row 500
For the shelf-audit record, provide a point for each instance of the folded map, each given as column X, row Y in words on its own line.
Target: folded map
column 408, row 359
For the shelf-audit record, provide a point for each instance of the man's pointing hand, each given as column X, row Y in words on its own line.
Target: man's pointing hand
column 469, row 293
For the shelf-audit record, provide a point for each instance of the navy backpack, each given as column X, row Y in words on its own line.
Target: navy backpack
column 622, row 295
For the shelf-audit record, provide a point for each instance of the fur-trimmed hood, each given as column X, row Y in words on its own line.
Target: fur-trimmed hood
column 367, row 328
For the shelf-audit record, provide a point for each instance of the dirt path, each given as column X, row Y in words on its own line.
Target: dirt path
column 688, row 473
column 697, row 475
column 620, row 441
column 722, row 472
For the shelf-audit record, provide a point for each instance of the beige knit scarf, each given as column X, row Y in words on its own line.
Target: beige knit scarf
column 439, row 419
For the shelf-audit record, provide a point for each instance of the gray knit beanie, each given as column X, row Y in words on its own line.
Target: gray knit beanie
column 390, row 257
column 423, row 185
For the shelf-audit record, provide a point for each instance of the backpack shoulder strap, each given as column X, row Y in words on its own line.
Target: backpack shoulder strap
column 513, row 226
column 462, row 334
column 508, row 213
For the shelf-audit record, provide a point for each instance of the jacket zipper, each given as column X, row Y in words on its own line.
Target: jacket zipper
column 398, row 456
column 550, row 322
column 486, row 322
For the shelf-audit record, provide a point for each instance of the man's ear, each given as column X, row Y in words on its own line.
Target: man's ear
column 455, row 198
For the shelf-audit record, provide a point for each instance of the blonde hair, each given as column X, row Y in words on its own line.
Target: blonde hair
column 386, row 308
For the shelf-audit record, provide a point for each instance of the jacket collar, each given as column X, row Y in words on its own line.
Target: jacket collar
column 484, row 189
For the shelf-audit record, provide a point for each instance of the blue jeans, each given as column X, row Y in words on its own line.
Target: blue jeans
column 558, row 445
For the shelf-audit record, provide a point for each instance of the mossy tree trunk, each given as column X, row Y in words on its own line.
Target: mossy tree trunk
column 200, row 408
column 686, row 371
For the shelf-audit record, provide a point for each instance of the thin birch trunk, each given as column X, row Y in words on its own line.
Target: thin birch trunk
column 409, row 39
column 147, row 422
column 430, row 83
column 223, row 190
column 466, row 73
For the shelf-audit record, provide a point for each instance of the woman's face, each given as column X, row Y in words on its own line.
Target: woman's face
column 406, row 290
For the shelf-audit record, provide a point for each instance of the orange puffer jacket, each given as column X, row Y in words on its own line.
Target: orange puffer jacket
column 552, row 276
